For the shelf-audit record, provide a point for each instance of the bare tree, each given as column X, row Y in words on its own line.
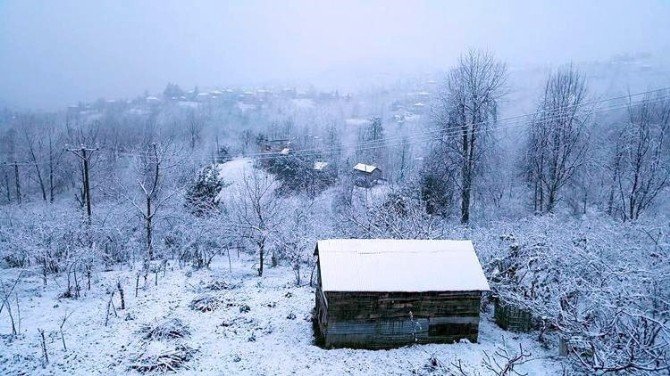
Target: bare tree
column 257, row 211
column 9, row 151
column 194, row 124
column 371, row 147
column 151, row 182
column 466, row 108
column 557, row 141
column 44, row 152
column 30, row 139
column 82, row 134
column 641, row 164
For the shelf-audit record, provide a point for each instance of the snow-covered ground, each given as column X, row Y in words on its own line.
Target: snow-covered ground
column 232, row 173
column 272, row 337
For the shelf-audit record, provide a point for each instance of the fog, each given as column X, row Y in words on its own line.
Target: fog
column 54, row 53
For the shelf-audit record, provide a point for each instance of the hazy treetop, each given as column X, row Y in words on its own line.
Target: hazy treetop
column 53, row 53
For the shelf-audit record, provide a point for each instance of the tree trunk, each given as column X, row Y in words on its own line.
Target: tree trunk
column 87, row 185
column 18, row 182
column 9, row 194
column 40, row 180
column 466, row 178
column 51, row 172
column 149, row 225
column 615, row 174
column 465, row 201
column 551, row 200
column 261, row 254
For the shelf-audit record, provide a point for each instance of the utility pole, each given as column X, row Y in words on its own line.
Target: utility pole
column 87, row 187
column 84, row 154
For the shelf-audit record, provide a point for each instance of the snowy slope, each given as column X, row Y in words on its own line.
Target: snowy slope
column 274, row 337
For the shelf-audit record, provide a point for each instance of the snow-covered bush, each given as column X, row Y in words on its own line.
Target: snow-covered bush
column 205, row 303
column 201, row 195
column 604, row 287
column 160, row 357
column 171, row 328
column 219, row 285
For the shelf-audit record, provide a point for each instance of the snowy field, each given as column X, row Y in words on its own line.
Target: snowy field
column 261, row 327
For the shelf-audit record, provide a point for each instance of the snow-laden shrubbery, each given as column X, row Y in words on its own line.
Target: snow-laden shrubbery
column 206, row 303
column 171, row 328
column 603, row 286
column 162, row 357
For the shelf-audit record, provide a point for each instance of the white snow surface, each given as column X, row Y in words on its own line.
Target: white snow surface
column 399, row 265
column 232, row 173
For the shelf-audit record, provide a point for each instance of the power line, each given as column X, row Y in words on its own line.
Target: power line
column 439, row 134
column 511, row 120
column 508, row 119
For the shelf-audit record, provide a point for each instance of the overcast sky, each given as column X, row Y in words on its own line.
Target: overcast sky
column 53, row 53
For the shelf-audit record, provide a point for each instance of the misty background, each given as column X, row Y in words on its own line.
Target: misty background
column 56, row 53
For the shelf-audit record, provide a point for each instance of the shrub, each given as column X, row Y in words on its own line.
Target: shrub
column 157, row 358
column 205, row 303
column 166, row 329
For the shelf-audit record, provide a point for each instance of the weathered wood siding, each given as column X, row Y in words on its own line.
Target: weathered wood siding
column 383, row 319
column 320, row 316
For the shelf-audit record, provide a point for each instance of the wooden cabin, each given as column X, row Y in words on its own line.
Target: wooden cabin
column 366, row 175
column 384, row 293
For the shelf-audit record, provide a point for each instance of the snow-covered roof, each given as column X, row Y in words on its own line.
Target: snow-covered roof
column 319, row 165
column 357, row 121
column 399, row 265
column 365, row 168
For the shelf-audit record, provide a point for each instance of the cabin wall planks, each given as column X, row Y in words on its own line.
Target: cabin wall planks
column 390, row 319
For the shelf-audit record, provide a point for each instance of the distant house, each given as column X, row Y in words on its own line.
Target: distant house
column 152, row 100
column 383, row 293
column 399, row 118
column 280, row 145
column 201, row 97
column 366, row 175
column 320, row 166
column 275, row 147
